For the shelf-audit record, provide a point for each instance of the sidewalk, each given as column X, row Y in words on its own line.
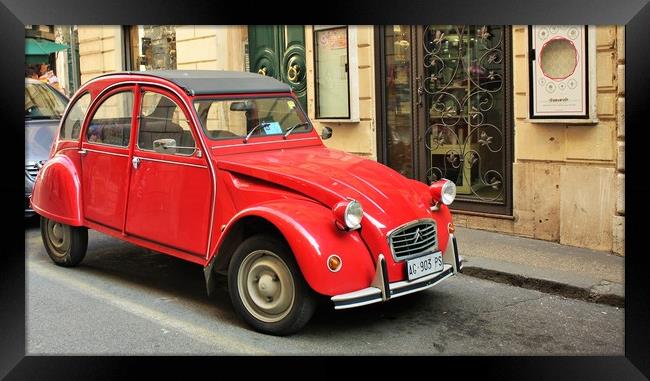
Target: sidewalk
column 545, row 266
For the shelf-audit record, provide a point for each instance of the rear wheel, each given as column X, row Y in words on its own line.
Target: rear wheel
column 66, row 245
column 267, row 288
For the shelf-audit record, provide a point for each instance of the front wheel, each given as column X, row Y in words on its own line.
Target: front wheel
column 267, row 288
column 66, row 245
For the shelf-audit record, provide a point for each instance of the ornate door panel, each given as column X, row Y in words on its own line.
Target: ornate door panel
column 464, row 92
column 263, row 45
column 293, row 66
column 454, row 100
column 279, row 51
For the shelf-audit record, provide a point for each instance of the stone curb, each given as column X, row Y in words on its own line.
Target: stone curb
column 545, row 285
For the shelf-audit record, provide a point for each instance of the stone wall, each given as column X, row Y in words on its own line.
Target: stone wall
column 565, row 180
column 618, row 228
column 210, row 47
column 100, row 50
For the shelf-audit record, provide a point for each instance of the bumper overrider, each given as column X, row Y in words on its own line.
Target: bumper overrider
column 381, row 290
column 29, row 212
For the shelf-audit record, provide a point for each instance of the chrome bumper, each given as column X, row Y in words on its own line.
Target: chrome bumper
column 381, row 290
column 29, row 212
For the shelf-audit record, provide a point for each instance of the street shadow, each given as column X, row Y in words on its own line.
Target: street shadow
column 32, row 222
column 123, row 263
column 127, row 264
column 374, row 317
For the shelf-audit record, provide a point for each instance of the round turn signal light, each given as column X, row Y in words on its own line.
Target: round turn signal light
column 334, row 263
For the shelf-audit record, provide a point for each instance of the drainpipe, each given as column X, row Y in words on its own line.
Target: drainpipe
column 73, row 58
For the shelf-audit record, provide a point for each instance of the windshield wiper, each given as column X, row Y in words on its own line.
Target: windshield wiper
column 290, row 129
column 263, row 124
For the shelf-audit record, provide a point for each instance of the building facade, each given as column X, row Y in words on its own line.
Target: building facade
column 436, row 101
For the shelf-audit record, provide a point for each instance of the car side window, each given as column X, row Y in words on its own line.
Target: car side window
column 111, row 123
column 162, row 121
column 71, row 127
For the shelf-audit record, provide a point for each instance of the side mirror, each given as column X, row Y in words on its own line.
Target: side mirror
column 326, row 133
column 165, row 146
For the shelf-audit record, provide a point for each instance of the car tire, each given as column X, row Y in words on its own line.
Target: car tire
column 66, row 245
column 267, row 288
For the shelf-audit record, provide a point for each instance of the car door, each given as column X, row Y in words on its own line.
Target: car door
column 170, row 194
column 105, row 158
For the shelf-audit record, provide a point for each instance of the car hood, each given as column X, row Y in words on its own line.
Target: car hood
column 330, row 176
column 39, row 135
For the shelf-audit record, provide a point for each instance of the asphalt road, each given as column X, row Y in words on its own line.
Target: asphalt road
column 126, row 300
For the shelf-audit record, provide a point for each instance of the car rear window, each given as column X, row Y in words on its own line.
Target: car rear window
column 73, row 121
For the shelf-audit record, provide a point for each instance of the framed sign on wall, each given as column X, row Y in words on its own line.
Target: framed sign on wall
column 559, row 72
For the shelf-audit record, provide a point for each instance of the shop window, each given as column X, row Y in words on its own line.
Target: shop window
column 332, row 72
column 151, row 47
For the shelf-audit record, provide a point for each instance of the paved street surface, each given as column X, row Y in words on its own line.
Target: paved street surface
column 127, row 300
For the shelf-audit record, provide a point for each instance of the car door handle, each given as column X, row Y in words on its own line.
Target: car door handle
column 136, row 162
column 82, row 152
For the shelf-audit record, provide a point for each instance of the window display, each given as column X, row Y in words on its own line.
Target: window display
column 558, row 72
column 332, row 79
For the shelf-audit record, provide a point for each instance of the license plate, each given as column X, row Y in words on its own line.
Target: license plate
column 424, row 265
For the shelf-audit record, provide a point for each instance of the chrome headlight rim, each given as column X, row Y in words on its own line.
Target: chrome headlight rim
column 353, row 215
column 448, row 192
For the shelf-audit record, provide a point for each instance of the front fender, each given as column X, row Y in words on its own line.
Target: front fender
column 57, row 191
column 309, row 230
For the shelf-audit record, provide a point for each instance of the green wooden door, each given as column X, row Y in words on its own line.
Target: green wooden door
column 279, row 51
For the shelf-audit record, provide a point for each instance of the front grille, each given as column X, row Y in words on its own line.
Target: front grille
column 413, row 239
column 31, row 170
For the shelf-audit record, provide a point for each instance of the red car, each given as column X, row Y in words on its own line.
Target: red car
column 224, row 169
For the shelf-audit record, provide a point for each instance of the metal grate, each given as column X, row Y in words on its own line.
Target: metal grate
column 413, row 239
column 31, row 170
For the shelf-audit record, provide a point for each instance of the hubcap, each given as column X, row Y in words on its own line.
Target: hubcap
column 59, row 237
column 266, row 286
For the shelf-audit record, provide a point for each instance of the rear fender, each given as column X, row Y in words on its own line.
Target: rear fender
column 309, row 230
column 57, row 191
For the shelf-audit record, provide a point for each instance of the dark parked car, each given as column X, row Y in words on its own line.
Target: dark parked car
column 44, row 107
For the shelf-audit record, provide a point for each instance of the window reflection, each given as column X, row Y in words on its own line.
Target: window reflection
column 399, row 118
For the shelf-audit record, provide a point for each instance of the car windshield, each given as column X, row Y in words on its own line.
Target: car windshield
column 235, row 118
column 42, row 102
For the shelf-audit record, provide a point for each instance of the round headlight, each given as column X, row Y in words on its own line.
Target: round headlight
column 348, row 214
column 443, row 191
column 353, row 214
column 448, row 192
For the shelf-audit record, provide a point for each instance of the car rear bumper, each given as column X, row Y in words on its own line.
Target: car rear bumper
column 29, row 212
column 381, row 290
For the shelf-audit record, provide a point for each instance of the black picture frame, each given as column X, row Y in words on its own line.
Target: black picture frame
column 531, row 83
column 635, row 14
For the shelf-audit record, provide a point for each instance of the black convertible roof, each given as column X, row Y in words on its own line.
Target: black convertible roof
column 202, row 82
